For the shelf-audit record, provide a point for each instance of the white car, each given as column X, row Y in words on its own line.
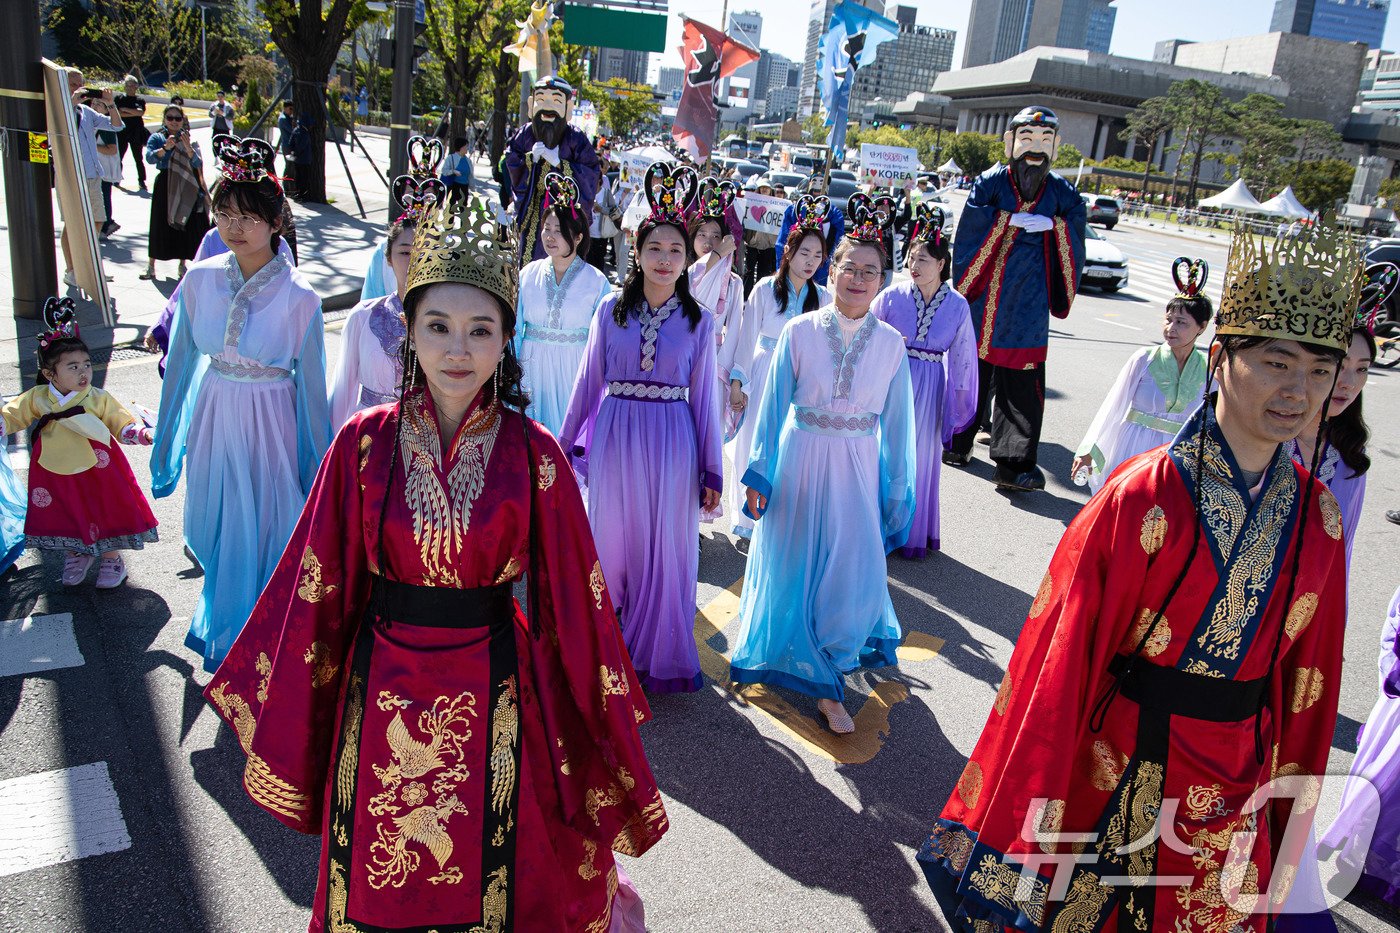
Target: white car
column 1104, row 264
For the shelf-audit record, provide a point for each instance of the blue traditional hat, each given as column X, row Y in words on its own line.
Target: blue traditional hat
column 1036, row 116
column 553, row 83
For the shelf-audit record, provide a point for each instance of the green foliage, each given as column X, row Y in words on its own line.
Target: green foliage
column 1148, row 125
column 623, row 107
column 258, row 74
column 815, row 130
column 1390, row 190
column 1122, row 164
column 974, row 152
column 1266, row 141
column 1320, row 184
column 193, row 90
column 1069, row 156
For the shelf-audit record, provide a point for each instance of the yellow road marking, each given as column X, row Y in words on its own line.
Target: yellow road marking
column 872, row 721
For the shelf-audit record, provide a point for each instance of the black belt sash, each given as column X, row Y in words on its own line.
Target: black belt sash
column 442, row 607
column 1162, row 693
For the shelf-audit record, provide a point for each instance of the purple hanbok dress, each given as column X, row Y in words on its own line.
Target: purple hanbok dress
column 643, row 430
column 942, row 349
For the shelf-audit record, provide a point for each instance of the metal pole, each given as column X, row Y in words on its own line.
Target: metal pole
column 29, row 207
column 203, row 48
column 401, row 107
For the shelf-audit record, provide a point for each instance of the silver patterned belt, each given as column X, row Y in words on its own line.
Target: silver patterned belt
column 552, row 335
column 767, row 343
column 928, row 356
column 837, row 423
column 649, row 391
column 248, row 372
column 369, row 398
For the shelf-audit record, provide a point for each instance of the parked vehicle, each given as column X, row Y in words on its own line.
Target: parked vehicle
column 786, row 182
column 747, row 170
column 1104, row 264
column 844, row 175
column 1102, row 210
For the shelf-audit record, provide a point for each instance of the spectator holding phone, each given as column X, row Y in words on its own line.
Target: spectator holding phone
column 179, row 207
column 93, row 110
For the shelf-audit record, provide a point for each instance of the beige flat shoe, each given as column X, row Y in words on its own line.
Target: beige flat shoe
column 837, row 719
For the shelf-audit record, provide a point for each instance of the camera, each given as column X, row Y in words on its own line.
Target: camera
column 92, row 93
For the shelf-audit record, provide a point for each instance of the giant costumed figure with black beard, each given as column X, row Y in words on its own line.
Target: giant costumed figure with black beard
column 1017, row 254
column 548, row 144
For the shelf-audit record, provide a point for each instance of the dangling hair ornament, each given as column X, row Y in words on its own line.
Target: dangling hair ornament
column 1190, row 276
column 1381, row 280
column 715, row 197
column 61, row 318
column 418, row 196
column 928, row 224
column 424, row 156
column 245, row 160
column 811, row 211
column 561, row 191
column 871, row 218
column 670, row 190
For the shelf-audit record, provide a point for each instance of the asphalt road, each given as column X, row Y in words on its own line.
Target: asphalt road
column 775, row 825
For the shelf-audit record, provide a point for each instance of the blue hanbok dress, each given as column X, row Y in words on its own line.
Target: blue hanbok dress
column 14, row 498
column 243, row 412
column 833, row 451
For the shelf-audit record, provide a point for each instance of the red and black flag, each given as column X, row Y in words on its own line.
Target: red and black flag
column 707, row 55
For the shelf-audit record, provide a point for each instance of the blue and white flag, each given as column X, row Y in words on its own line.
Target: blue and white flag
column 849, row 43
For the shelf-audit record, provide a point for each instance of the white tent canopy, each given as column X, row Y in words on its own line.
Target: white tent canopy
column 1234, row 198
column 1286, row 204
column 950, row 166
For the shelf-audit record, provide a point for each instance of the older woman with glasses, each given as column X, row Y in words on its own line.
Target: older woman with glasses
column 830, row 480
column 179, row 208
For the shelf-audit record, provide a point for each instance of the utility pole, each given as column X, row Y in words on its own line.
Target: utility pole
column 29, row 205
column 203, row 47
column 401, row 104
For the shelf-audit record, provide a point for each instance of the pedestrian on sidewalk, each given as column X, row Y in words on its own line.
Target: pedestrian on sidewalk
column 110, row 159
column 83, row 498
column 179, row 209
column 1183, row 651
column 132, row 108
column 92, row 110
column 221, row 115
column 457, row 169
column 286, row 127
column 301, row 152
column 243, row 405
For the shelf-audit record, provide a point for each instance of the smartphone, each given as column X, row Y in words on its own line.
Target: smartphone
column 91, row 93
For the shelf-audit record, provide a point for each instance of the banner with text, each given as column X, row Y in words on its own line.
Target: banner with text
column 888, row 166
column 763, row 213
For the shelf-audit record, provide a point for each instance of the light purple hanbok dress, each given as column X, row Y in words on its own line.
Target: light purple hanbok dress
column 551, row 325
column 833, row 452
column 942, row 349
column 370, row 369
column 643, row 430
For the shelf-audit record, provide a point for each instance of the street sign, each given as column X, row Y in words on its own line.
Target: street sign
column 888, row 166
column 39, row 148
column 614, row 29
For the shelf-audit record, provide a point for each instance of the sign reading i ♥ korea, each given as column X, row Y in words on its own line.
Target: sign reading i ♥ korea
column 763, row 213
column 888, row 166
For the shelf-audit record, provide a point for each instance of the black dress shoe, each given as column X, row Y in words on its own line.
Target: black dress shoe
column 1393, row 516
column 1030, row 480
column 954, row 459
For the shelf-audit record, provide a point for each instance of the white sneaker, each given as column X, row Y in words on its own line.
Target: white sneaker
column 112, row 573
column 70, row 279
column 76, row 567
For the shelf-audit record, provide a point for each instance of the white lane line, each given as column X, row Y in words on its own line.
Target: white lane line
column 59, row 816
column 1118, row 323
column 38, row 643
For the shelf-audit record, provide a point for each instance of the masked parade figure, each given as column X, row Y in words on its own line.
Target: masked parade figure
column 1183, row 650
column 1018, row 253
column 548, row 144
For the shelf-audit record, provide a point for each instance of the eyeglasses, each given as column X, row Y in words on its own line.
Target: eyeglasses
column 858, row 273
column 241, row 221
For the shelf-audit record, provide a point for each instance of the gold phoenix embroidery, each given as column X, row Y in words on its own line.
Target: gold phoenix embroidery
column 595, row 800
column 339, row 901
column 1215, row 914
column 1083, row 904
column 312, row 589
column 350, row 730
column 548, row 472
column 970, row 784
column 1300, row 615
column 586, row 871
column 511, row 568
column 322, row 670
column 595, row 583
column 1161, row 636
column 1042, row 596
column 1331, row 514
column 441, row 516
column 1108, row 766
column 493, row 903
column 650, row 823
column 1307, row 688
column 366, row 442
column 442, row 758
column 505, row 732
column 1154, row 530
column 264, row 667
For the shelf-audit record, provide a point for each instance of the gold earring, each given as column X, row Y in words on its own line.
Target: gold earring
column 412, row 368
column 496, row 383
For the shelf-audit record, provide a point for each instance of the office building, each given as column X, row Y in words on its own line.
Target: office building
column 738, row 90
column 1165, row 51
column 773, row 70
column 907, row 63
column 999, row 29
column 628, row 64
column 668, row 81
column 1339, row 20
column 780, row 104
column 819, row 18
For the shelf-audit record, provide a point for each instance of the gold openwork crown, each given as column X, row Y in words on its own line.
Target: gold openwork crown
column 462, row 241
column 1303, row 288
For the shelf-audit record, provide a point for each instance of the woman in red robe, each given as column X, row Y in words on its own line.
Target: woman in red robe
column 1183, row 650
column 469, row 768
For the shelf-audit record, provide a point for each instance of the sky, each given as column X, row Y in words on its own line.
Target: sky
column 1140, row 23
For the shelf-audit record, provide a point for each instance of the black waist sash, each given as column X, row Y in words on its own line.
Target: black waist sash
column 443, row 607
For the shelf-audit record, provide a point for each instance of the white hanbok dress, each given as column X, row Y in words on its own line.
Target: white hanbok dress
column 750, row 354
column 552, row 317
column 370, row 370
column 243, row 413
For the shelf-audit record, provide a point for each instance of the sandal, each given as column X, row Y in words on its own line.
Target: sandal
column 147, row 275
column 837, row 719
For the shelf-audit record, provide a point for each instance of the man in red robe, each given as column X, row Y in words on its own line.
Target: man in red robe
column 1183, row 650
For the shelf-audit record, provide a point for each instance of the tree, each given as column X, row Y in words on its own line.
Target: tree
column 124, row 35
column 814, row 128
column 1390, row 190
column 973, row 151
column 1149, row 124
column 467, row 36
column 1316, row 139
column 1266, row 141
column 309, row 37
column 1069, row 156
column 1320, row 184
column 624, row 106
column 1200, row 115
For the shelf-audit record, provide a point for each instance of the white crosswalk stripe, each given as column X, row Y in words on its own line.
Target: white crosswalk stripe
column 38, row 643
column 59, row 816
